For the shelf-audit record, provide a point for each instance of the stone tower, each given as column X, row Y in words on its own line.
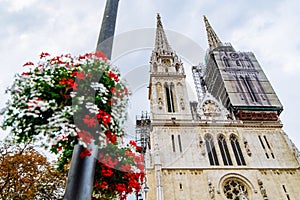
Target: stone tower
column 233, row 146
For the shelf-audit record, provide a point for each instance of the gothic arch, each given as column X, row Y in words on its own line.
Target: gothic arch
column 237, row 151
column 241, row 178
column 211, row 149
column 159, row 94
column 223, row 146
column 170, row 97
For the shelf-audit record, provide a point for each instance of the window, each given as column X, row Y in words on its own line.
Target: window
column 263, row 140
column 224, row 150
column 169, row 95
column 286, row 193
column 173, row 142
column 269, row 147
column 263, row 146
column 211, row 151
column 179, row 142
column 237, row 150
column 235, row 189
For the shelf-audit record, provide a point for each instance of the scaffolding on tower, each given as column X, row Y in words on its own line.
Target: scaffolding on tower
column 142, row 130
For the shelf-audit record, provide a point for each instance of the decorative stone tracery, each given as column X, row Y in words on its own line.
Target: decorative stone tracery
column 235, row 189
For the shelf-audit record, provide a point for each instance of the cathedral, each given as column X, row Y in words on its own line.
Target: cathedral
column 229, row 144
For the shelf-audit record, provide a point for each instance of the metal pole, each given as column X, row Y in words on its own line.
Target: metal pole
column 81, row 175
column 82, row 170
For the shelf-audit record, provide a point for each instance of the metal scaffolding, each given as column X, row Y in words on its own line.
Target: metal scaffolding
column 142, row 130
column 198, row 73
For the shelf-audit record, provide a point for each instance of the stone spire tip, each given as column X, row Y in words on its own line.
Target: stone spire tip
column 213, row 39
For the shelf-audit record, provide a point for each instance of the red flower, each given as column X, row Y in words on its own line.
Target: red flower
column 70, row 82
column 79, row 75
column 113, row 76
column 84, row 153
column 43, row 55
column 56, row 60
column 74, row 86
column 104, row 117
column 133, row 143
column 112, row 90
column 90, row 121
column 110, row 102
column 63, row 81
column 121, row 187
column 107, row 172
column 28, row 63
column 103, row 185
column 99, row 54
column 25, row 73
column 111, row 137
column 85, row 136
column 129, row 153
column 110, row 162
column 63, row 138
column 125, row 168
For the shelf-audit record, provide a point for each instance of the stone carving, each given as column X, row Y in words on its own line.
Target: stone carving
column 247, row 147
column 182, row 104
column 243, row 196
column 160, row 103
column 262, row 189
column 210, row 109
column 211, row 190
column 202, row 146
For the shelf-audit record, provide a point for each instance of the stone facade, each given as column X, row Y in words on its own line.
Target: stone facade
column 211, row 154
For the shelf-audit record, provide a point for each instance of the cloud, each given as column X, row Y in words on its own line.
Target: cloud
column 267, row 28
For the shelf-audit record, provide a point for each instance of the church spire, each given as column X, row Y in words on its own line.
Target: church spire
column 212, row 37
column 161, row 42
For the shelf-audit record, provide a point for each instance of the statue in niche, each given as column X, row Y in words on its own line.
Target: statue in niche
column 211, row 190
column 243, row 195
column 247, row 147
column 262, row 189
column 182, row 104
column 160, row 103
column 202, row 146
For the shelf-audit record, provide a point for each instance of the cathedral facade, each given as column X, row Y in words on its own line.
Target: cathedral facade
column 227, row 145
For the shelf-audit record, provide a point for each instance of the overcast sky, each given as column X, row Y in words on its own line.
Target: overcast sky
column 269, row 28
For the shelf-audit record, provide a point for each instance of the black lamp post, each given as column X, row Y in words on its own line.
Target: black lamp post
column 82, row 170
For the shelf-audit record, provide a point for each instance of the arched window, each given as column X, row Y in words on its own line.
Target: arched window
column 170, row 98
column 224, row 150
column 235, row 189
column 211, row 151
column 237, row 150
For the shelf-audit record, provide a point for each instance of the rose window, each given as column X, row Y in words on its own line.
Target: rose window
column 233, row 189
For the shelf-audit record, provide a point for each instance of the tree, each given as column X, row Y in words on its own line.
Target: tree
column 26, row 174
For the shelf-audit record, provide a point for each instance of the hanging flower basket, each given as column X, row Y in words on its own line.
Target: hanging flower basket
column 62, row 101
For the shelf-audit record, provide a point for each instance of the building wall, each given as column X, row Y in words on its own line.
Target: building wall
column 186, row 174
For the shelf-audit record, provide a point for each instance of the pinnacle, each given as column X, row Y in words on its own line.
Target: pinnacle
column 213, row 39
column 161, row 42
